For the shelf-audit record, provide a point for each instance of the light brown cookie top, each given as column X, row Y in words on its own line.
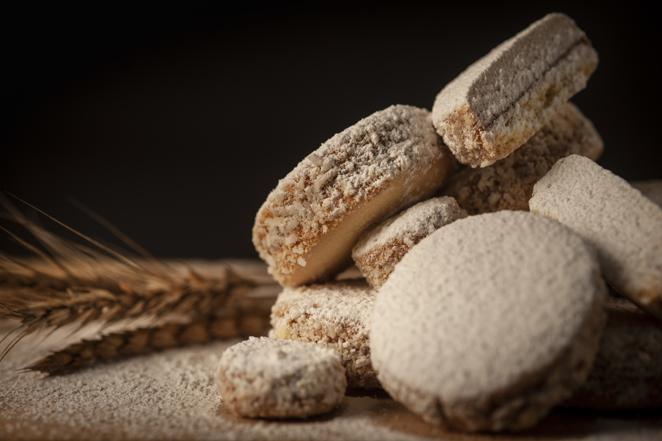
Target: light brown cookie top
column 307, row 226
column 508, row 183
column 334, row 314
column 504, row 98
column 489, row 322
column 624, row 226
column 381, row 248
column 627, row 372
column 652, row 189
column 264, row 377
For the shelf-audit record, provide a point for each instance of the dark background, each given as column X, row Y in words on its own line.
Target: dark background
column 175, row 124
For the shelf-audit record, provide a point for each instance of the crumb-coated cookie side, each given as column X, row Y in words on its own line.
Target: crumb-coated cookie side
column 503, row 99
column 627, row 372
column 336, row 315
column 391, row 159
column 269, row 378
column 381, row 248
column 489, row 322
column 624, row 226
column 508, row 183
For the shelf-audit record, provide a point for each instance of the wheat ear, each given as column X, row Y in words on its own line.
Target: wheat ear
column 245, row 316
column 67, row 282
column 40, row 301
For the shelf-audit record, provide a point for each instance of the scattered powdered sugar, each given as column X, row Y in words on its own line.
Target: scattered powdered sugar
column 174, row 395
column 169, row 395
column 344, row 172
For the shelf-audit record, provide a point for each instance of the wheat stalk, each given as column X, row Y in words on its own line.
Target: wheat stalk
column 247, row 316
column 39, row 301
column 66, row 282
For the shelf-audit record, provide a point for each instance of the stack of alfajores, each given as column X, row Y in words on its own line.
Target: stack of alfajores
column 485, row 234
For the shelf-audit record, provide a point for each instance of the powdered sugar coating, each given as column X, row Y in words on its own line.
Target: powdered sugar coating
column 264, row 377
column 380, row 249
column 333, row 314
column 624, row 226
column 489, row 322
column 343, row 174
column 503, row 99
column 508, row 183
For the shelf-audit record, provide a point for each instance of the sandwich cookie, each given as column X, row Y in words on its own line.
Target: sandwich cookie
column 306, row 228
column 508, row 183
column 489, row 322
column 336, row 315
column 380, row 249
column 627, row 372
column 623, row 225
column 503, row 99
column 268, row 378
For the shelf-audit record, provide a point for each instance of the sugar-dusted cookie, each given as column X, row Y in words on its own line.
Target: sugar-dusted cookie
column 627, row 373
column 508, row 183
column 269, row 378
column 624, row 226
column 381, row 248
column 651, row 189
column 334, row 314
column 308, row 225
column 504, row 98
column 489, row 322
